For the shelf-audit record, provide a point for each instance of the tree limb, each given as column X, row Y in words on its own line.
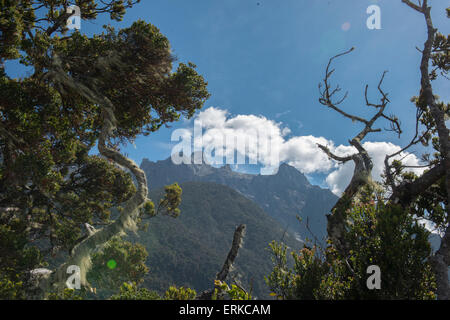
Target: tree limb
column 82, row 252
column 442, row 256
column 333, row 156
column 127, row 220
column 405, row 193
column 363, row 163
column 238, row 237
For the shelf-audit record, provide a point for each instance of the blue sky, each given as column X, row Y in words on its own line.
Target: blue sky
column 266, row 58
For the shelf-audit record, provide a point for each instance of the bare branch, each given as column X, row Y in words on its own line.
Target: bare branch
column 333, row 156
column 238, row 237
column 327, row 96
column 363, row 163
column 413, row 5
column 232, row 254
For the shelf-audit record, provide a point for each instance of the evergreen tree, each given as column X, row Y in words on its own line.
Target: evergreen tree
column 105, row 90
column 383, row 235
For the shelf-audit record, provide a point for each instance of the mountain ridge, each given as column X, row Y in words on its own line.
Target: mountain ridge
column 189, row 250
column 284, row 195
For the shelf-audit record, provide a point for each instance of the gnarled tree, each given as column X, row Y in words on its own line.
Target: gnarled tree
column 83, row 92
column 425, row 196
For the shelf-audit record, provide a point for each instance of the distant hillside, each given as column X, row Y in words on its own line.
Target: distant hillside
column 283, row 196
column 191, row 249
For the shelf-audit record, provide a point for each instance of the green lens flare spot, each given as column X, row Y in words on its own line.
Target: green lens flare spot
column 111, row 264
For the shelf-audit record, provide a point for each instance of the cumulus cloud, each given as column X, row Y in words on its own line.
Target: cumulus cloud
column 256, row 139
column 340, row 178
column 212, row 117
column 302, row 153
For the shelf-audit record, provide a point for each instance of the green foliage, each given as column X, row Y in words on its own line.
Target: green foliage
column 16, row 256
column 174, row 293
column 10, row 290
column 430, row 204
column 382, row 235
column 67, row 294
column 130, row 291
column 440, row 57
column 222, row 291
column 190, row 250
column 120, row 261
column 388, row 236
column 299, row 282
column 171, row 201
column 148, row 209
column 335, row 283
column 15, row 18
column 50, row 183
column 280, row 280
column 309, row 271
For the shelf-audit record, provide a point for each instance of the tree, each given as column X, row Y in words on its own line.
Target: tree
column 131, row 290
column 383, row 235
column 119, row 262
column 84, row 92
column 427, row 195
column 221, row 290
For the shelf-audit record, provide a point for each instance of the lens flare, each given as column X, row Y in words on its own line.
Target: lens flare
column 112, row 264
column 346, row 26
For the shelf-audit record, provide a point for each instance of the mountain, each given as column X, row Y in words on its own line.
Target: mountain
column 283, row 195
column 191, row 249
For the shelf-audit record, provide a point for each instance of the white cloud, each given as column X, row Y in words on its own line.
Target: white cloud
column 302, row 153
column 340, row 178
column 262, row 136
column 267, row 140
column 268, row 143
column 212, row 117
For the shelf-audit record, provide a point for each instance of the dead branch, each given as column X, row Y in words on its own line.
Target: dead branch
column 238, row 237
column 363, row 163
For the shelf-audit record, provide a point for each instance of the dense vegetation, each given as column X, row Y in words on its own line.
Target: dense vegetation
column 62, row 206
column 375, row 224
column 284, row 196
column 84, row 92
column 385, row 236
column 191, row 249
